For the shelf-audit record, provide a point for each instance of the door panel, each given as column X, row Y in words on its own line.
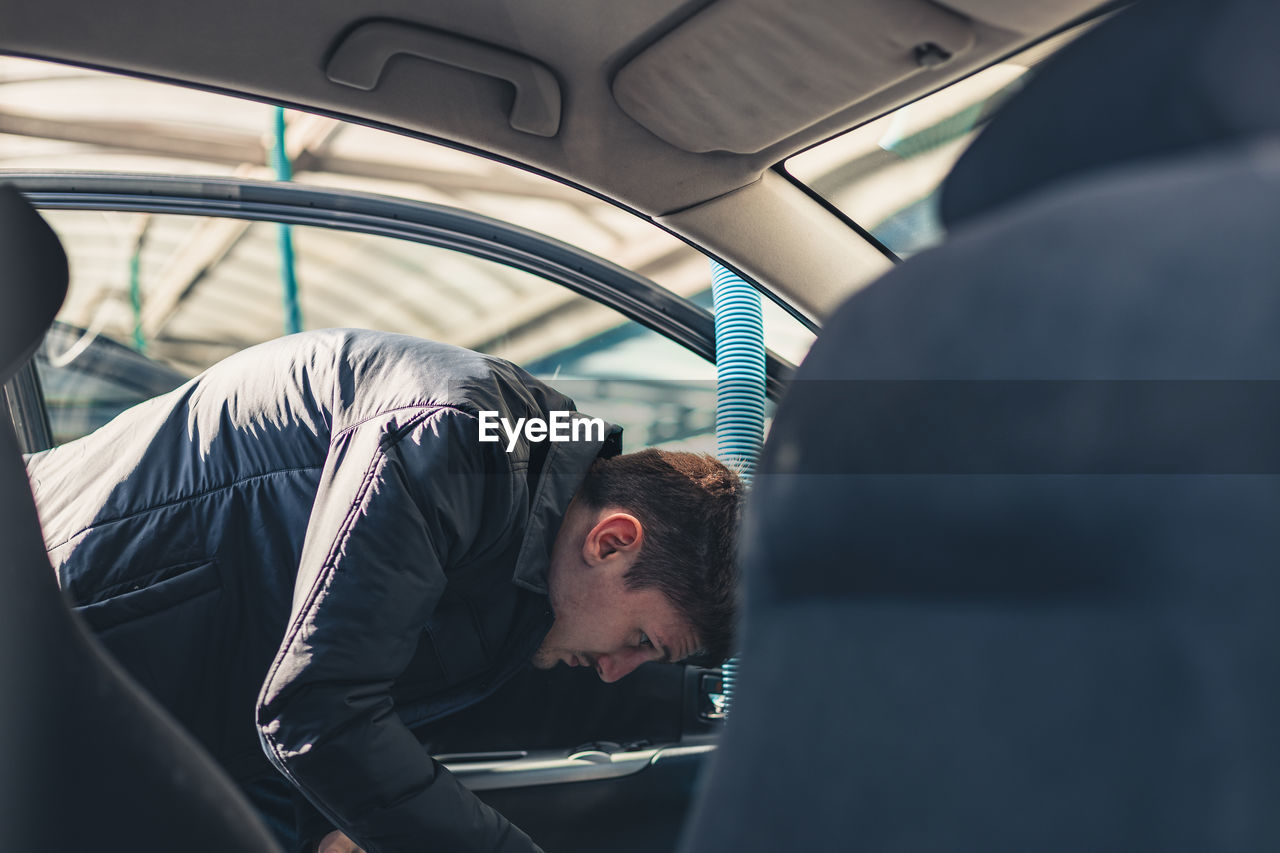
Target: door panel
column 640, row 813
column 570, row 709
column 587, row 766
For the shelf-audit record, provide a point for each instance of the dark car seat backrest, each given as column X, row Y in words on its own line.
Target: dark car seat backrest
column 1011, row 553
column 89, row 761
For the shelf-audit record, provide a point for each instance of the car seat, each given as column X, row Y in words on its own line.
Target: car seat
column 89, row 761
column 1011, row 554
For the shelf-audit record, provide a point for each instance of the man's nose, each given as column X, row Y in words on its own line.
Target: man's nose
column 614, row 666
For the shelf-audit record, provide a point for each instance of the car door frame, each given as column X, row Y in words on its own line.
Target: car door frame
column 631, row 295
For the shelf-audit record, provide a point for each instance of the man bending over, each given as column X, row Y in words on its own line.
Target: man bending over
column 313, row 548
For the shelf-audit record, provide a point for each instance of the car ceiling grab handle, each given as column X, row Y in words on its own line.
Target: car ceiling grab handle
column 361, row 56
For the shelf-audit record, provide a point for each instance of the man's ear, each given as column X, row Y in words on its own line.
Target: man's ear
column 616, row 534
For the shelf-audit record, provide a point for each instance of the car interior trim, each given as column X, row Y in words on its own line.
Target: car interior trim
column 772, row 212
column 555, row 768
column 687, row 88
column 25, row 402
column 363, row 55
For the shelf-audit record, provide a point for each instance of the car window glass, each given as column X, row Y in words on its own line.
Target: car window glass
column 885, row 174
column 154, row 299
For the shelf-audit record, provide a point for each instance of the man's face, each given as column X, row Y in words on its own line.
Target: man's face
column 599, row 621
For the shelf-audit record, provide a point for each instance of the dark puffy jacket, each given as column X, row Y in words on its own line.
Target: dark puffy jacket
column 311, row 532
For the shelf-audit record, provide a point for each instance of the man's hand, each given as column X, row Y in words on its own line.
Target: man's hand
column 336, row 842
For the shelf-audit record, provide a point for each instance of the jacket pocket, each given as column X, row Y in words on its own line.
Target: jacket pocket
column 168, row 630
column 154, row 593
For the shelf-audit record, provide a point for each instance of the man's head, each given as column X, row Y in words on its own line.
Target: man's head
column 643, row 566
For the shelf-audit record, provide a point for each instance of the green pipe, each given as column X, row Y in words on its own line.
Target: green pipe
column 288, row 277
column 135, row 291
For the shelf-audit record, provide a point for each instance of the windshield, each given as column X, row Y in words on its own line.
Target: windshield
column 885, row 175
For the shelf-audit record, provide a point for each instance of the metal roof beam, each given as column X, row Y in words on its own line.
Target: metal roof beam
column 306, row 148
column 204, row 247
column 140, row 137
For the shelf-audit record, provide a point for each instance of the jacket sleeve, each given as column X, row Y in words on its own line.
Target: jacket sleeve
column 401, row 498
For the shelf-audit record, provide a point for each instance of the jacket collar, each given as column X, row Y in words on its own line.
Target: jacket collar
column 565, row 467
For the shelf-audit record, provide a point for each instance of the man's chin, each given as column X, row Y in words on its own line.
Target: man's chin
column 543, row 659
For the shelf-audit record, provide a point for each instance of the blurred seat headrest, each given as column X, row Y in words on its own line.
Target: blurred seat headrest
column 33, row 279
column 1160, row 78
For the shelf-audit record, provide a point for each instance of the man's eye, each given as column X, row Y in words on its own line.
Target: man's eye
column 645, row 641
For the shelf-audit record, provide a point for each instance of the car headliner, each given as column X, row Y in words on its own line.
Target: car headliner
column 675, row 109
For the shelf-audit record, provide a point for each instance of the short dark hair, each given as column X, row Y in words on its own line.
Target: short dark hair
column 689, row 505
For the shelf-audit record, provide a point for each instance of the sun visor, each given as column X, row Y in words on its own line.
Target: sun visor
column 742, row 75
